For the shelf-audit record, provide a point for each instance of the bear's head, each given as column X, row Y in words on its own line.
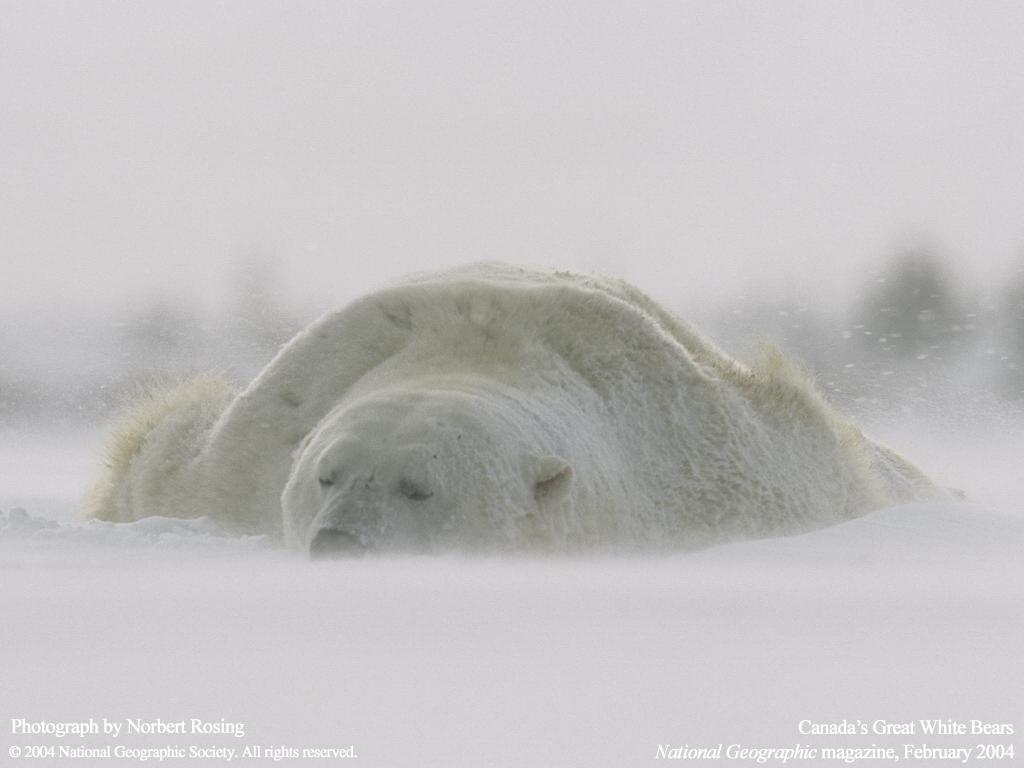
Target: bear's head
column 413, row 469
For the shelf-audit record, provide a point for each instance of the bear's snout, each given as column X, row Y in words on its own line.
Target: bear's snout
column 333, row 542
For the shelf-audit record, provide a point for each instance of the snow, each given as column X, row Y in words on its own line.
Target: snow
column 910, row 612
column 157, row 532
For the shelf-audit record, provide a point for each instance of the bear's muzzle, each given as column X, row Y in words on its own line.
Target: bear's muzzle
column 334, row 542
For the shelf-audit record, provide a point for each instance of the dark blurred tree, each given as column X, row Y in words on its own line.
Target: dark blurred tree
column 910, row 332
column 912, row 310
column 1007, row 351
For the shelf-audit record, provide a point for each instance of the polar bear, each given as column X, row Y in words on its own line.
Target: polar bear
column 497, row 408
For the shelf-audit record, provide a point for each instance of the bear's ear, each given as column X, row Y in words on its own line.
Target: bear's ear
column 552, row 480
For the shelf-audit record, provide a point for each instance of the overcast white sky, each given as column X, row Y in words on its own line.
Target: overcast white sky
column 696, row 148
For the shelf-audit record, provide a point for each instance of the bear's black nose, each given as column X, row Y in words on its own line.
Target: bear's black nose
column 331, row 542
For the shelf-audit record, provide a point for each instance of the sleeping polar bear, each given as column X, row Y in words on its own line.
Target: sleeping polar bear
column 495, row 408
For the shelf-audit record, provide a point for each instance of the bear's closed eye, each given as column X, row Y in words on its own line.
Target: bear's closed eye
column 325, row 482
column 414, row 491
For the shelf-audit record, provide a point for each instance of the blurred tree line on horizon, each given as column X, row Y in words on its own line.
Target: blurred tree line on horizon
column 908, row 334
column 103, row 362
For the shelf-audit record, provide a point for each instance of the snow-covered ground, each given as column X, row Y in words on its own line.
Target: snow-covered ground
column 910, row 613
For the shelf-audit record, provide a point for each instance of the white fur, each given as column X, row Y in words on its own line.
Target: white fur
column 499, row 408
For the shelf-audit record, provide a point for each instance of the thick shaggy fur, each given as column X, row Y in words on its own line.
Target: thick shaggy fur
column 499, row 408
column 151, row 446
